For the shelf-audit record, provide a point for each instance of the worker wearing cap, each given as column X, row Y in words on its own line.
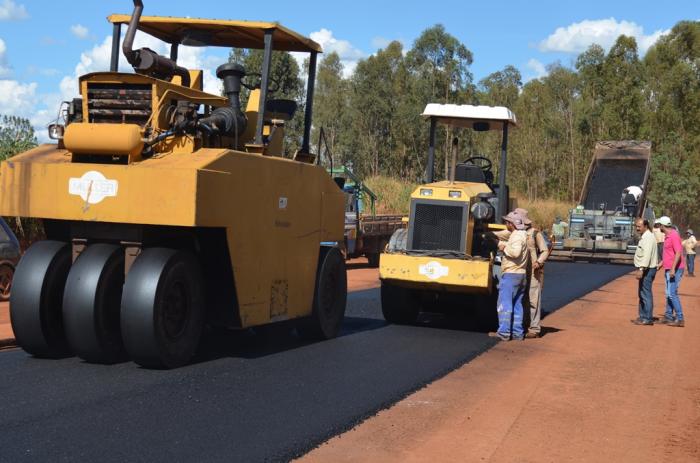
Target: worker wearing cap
column 511, row 287
column 689, row 245
column 673, row 266
column 538, row 250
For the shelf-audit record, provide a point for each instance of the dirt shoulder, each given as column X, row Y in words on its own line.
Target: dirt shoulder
column 594, row 388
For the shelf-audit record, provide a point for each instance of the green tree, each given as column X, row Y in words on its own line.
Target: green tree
column 440, row 64
column 331, row 104
column 16, row 135
column 285, row 80
column 622, row 100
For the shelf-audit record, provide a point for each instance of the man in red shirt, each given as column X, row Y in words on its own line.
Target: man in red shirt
column 673, row 264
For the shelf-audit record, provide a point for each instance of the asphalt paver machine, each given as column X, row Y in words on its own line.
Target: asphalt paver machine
column 167, row 208
column 444, row 257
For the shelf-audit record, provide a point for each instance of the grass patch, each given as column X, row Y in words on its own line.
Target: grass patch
column 393, row 196
column 542, row 212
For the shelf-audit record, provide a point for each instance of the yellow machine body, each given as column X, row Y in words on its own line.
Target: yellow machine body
column 274, row 212
column 470, row 274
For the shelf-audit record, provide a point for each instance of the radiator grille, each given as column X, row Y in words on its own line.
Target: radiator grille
column 437, row 227
column 119, row 103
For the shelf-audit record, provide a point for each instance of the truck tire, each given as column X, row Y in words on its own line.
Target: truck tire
column 330, row 297
column 398, row 241
column 399, row 305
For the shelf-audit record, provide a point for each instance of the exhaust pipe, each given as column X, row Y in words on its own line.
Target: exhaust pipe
column 146, row 61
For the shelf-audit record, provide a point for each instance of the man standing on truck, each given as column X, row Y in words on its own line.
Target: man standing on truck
column 538, row 250
column 511, row 288
column 673, row 265
column 646, row 260
column 689, row 245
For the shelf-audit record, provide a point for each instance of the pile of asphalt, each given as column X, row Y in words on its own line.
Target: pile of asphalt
column 608, row 180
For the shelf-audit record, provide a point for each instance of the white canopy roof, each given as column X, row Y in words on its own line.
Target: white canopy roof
column 466, row 115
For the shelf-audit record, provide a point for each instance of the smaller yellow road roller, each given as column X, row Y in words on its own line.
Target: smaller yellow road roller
column 444, row 258
column 167, row 208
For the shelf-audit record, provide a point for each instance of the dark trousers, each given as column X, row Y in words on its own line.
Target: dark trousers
column 690, row 259
column 646, row 299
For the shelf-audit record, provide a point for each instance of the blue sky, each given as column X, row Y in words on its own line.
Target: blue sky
column 45, row 46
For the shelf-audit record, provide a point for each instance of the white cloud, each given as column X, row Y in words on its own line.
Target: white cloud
column 537, row 67
column 4, row 67
column 349, row 55
column 577, row 37
column 18, row 99
column 9, row 11
column 380, row 42
column 80, row 31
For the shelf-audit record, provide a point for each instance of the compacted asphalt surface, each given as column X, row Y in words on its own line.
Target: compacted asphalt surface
column 248, row 397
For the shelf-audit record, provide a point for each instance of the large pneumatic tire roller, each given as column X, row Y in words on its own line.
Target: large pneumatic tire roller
column 162, row 309
column 330, row 296
column 91, row 304
column 36, row 299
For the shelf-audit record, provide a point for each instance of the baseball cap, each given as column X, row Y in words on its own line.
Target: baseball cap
column 515, row 218
column 690, row 231
column 664, row 220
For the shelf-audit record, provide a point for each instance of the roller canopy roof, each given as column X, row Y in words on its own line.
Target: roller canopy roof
column 466, row 115
column 220, row 33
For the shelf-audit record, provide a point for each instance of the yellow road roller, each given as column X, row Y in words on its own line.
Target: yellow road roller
column 167, row 208
column 445, row 259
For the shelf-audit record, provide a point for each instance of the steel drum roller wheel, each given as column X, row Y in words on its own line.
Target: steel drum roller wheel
column 162, row 311
column 36, row 299
column 91, row 304
column 399, row 305
column 330, row 297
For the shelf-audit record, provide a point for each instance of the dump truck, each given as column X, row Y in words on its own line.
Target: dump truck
column 601, row 228
column 366, row 232
column 444, row 257
column 167, row 208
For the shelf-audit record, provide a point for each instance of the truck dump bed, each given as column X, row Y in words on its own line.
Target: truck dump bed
column 615, row 166
column 602, row 227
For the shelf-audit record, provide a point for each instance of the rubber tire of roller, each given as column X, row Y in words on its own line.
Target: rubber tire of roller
column 157, row 276
column 36, row 299
column 330, row 298
column 91, row 304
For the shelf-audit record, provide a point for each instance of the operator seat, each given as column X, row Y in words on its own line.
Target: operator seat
column 469, row 173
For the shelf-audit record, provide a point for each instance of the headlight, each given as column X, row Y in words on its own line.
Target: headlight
column 455, row 194
column 482, row 211
column 426, row 192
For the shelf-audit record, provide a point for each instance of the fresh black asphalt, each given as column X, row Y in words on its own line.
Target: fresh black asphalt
column 250, row 397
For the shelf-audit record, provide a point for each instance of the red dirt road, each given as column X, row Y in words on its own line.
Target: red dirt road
column 595, row 388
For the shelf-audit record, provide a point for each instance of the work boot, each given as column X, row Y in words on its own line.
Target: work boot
column 665, row 321
column 494, row 334
column 532, row 335
column 639, row 321
column 677, row 323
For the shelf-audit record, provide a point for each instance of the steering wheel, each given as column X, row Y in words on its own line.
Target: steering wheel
column 483, row 162
column 275, row 85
